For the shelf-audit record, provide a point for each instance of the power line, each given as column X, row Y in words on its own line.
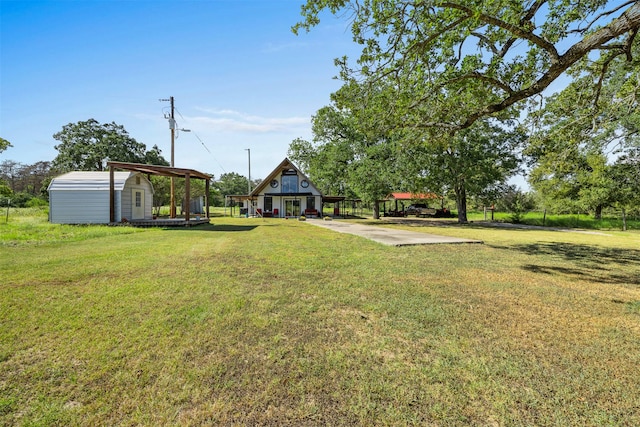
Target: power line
column 205, row 147
column 202, row 142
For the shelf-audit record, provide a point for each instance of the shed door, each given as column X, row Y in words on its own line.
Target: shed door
column 138, row 204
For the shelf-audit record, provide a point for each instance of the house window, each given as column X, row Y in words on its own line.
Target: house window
column 138, row 199
column 311, row 202
column 289, row 183
column 137, row 180
column 268, row 204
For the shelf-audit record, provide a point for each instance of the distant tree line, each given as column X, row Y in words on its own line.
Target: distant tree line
column 88, row 146
column 25, row 183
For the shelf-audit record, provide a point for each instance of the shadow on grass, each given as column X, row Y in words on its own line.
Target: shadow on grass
column 448, row 222
column 605, row 265
column 214, row 227
column 483, row 224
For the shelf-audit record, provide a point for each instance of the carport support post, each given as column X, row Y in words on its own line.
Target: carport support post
column 206, row 197
column 112, row 197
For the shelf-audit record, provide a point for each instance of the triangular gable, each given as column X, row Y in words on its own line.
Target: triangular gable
column 285, row 164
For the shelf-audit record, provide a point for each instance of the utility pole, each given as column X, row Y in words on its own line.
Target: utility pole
column 172, row 127
column 249, row 201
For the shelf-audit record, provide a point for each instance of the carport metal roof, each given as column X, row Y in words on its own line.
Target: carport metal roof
column 159, row 170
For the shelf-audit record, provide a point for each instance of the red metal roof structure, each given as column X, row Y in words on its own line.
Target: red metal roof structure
column 413, row 196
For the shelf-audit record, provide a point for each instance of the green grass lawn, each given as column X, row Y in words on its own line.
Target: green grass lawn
column 278, row 322
column 564, row 221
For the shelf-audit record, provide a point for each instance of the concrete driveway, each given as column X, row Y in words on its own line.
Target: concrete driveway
column 388, row 236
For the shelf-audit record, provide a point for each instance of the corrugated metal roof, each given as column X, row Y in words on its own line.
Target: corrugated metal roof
column 89, row 181
column 413, row 196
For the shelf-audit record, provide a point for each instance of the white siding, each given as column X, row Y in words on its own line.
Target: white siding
column 278, row 200
column 127, row 197
column 83, row 197
column 127, row 209
column 80, row 207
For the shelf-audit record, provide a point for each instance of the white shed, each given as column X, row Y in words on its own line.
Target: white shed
column 83, row 197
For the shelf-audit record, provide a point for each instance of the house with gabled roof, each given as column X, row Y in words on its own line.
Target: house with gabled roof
column 286, row 192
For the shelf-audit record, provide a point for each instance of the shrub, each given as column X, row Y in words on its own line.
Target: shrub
column 17, row 200
column 36, row 202
column 517, row 203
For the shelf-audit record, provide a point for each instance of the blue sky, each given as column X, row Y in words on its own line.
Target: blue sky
column 240, row 78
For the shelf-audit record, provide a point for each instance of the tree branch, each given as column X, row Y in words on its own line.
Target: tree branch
column 629, row 21
column 429, row 40
column 603, row 14
column 514, row 29
column 525, row 19
column 479, row 76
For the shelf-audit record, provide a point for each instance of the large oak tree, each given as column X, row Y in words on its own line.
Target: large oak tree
column 476, row 161
column 89, row 145
column 345, row 159
column 441, row 66
column 446, row 64
column 624, row 179
column 576, row 133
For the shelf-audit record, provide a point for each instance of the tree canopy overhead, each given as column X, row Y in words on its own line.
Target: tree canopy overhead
column 345, row 159
column 89, row 145
column 446, row 64
column 575, row 133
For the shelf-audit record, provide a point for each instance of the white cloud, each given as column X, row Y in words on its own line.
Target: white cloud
column 235, row 121
column 273, row 47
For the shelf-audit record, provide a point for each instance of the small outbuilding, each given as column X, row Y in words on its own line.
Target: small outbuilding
column 84, row 197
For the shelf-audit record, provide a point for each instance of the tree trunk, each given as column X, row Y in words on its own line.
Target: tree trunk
column 461, row 203
column 624, row 220
column 376, row 210
column 598, row 214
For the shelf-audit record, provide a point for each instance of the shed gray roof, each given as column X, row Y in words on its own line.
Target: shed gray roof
column 89, row 181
